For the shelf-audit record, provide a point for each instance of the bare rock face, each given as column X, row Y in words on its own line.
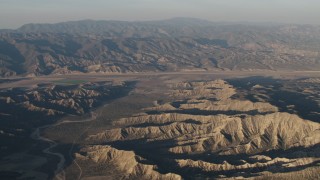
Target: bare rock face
column 195, row 95
column 223, row 134
column 218, row 89
column 230, row 105
column 125, row 161
column 221, row 106
column 225, row 166
column 216, row 135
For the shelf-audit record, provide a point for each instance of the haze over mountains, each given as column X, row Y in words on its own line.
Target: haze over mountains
column 179, row 44
column 180, row 98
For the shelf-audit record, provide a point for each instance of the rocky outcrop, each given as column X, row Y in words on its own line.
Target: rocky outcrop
column 230, row 105
column 27, row 113
column 225, row 166
column 210, row 96
column 125, row 161
column 224, row 134
column 217, row 89
column 220, row 106
column 58, row 99
column 208, row 124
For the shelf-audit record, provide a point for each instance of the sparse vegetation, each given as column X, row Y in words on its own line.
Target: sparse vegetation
column 126, row 111
column 124, row 47
column 70, row 81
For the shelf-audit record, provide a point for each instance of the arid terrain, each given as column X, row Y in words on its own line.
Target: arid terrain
column 179, row 44
column 193, row 125
column 180, row 98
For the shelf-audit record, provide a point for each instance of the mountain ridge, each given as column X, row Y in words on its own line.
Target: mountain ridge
column 177, row 44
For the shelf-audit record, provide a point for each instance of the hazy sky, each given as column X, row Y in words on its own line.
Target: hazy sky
column 14, row 13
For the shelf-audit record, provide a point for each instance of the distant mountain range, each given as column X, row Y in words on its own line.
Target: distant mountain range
column 177, row 44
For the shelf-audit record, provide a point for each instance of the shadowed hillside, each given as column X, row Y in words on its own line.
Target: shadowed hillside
column 179, row 44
